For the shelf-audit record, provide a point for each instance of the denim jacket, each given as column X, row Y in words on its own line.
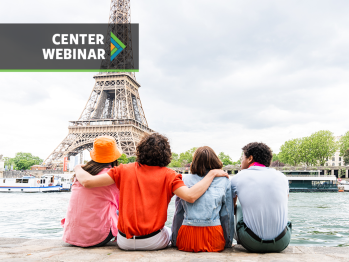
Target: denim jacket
column 213, row 208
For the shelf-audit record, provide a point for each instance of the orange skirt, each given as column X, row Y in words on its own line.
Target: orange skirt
column 200, row 239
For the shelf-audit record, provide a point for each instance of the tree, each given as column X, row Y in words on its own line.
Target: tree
column 322, row 145
column 310, row 150
column 226, row 159
column 237, row 162
column 344, row 144
column 123, row 159
column 24, row 161
column 275, row 162
column 9, row 162
column 290, row 152
column 275, row 157
column 187, row 156
column 346, row 157
column 307, row 151
column 131, row 159
column 175, row 161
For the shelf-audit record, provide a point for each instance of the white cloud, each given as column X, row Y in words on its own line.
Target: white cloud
column 221, row 74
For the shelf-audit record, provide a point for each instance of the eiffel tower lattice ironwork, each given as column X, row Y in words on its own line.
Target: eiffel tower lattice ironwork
column 114, row 107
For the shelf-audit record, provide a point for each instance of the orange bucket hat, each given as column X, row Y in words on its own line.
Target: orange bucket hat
column 105, row 150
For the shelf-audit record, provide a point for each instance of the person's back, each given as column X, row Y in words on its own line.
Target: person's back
column 143, row 207
column 207, row 224
column 263, row 194
column 261, row 215
column 91, row 217
column 146, row 188
column 91, row 214
column 206, row 210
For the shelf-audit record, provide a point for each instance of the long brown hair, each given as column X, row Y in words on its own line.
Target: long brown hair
column 95, row 168
column 204, row 160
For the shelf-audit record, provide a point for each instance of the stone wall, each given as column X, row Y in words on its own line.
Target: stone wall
column 36, row 173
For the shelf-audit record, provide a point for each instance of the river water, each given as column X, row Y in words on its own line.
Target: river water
column 318, row 219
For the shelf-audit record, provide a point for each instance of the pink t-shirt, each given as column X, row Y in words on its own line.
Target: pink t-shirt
column 91, row 214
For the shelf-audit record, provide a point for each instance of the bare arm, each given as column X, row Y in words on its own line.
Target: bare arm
column 192, row 194
column 90, row 181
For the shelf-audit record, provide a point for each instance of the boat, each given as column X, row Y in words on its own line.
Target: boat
column 64, row 180
column 31, row 184
column 344, row 185
column 311, row 181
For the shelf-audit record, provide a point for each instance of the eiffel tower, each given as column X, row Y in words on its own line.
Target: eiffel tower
column 114, row 107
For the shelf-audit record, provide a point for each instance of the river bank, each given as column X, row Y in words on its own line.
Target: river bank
column 21, row 249
column 318, row 219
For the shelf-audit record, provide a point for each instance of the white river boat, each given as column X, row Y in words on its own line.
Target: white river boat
column 31, row 184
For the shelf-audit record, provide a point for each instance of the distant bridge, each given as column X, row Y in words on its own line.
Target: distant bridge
column 324, row 170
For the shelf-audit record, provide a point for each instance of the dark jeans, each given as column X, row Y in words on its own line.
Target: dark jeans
column 253, row 245
column 105, row 241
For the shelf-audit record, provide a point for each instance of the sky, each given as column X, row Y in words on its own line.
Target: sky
column 219, row 73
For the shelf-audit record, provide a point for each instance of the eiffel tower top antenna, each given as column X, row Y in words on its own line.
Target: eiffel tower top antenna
column 114, row 107
column 120, row 24
column 120, row 12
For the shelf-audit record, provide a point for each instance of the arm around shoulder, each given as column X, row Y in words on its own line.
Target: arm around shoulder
column 90, row 181
column 195, row 192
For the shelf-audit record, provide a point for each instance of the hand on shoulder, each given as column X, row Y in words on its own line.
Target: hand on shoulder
column 218, row 173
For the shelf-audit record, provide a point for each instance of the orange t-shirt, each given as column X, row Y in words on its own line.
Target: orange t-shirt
column 145, row 192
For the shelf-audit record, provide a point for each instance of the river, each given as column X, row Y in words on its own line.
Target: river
column 318, row 219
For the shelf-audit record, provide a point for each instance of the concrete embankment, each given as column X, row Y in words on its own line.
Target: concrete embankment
column 19, row 249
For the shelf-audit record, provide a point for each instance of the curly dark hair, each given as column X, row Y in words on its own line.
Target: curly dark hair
column 261, row 153
column 154, row 150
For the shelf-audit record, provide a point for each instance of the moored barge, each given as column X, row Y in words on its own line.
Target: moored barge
column 311, row 181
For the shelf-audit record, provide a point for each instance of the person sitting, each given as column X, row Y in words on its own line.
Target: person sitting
column 208, row 224
column 92, row 218
column 146, row 188
column 261, row 214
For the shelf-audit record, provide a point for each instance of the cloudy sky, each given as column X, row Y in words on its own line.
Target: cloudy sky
column 218, row 73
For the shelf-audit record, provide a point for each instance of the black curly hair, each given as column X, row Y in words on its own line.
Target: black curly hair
column 261, row 153
column 154, row 150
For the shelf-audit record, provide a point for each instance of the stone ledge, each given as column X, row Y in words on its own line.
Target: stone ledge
column 20, row 249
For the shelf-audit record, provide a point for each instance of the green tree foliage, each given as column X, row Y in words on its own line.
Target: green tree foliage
column 307, row 152
column 180, row 160
column 237, row 162
column 275, row 157
column 323, row 145
column 183, row 158
column 226, row 159
column 346, row 157
column 131, row 159
column 187, row 156
column 9, row 162
column 275, row 162
column 175, row 161
column 123, row 159
column 344, row 144
column 290, row 152
column 310, row 150
column 23, row 161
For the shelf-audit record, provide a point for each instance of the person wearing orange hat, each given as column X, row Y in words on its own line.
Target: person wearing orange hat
column 92, row 218
column 146, row 188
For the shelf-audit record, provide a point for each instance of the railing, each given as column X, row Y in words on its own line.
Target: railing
column 109, row 122
column 300, row 175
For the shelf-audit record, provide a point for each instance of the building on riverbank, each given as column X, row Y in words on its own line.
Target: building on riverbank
column 336, row 159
